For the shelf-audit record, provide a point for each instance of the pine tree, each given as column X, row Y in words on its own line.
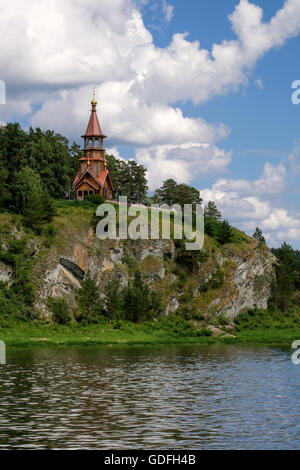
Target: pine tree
column 75, row 153
column 211, row 211
column 114, row 167
column 39, row 210
column 131, row 307
column 138, row 302
column 90, row 305
column 48, row 208
column 285, row 276
column 186, row 194
column 33, row 213
column 210, row 226
column 32, row 199
column 258, row 235
column 5, row 194
column 113, row 299
column 225, row 233
column 167, row 192
column 139, row 187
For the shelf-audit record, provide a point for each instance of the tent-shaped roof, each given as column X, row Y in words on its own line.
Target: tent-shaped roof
column 93, row 128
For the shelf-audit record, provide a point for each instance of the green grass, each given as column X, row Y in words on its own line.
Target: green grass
column 272, row 319
column 271, row 336
column 35, row 334
column 29, row 334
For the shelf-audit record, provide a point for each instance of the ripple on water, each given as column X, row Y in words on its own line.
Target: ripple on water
column 175, row 397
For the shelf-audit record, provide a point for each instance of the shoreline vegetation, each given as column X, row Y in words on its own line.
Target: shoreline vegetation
column 20, row 334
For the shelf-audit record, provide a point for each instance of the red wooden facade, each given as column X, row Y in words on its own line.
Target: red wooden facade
column 93, row 176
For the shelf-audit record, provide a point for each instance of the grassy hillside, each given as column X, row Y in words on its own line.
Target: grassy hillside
column 199, row 284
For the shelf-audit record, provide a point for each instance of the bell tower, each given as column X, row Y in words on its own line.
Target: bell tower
column 94, row 153
column 93, row 176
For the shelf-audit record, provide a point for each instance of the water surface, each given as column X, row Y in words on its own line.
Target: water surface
column 168, row 397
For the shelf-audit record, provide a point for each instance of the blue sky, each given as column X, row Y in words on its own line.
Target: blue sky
column 216, row 113
column 264, row 124
column 260, row 120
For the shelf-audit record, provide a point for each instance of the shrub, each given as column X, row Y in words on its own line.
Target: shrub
column 198, row 316
column 203, row 287
column 204, row 332
column 211, row 226
column 223, row 320
column 60, row 310
column 113, row 300
column 130, row 262
column 96, row 199
column 174, row 325
column 224, row 233
column 255, row 318
column 217, row 280
column 189, row 259
column 11, row 306
column 139, row 303
column 17, row 246
column 90, row 306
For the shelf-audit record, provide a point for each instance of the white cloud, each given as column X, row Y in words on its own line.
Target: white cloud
column 226, row 66
column 182, row 162
column 241, row 203
column 135, row 105
column 238, row 208
column 55, row 50
column 115, row 152
column 272, row 181
column 126, row 117
column 15, row 107
column 258, row 82
column 168, row 10
column 86, row 41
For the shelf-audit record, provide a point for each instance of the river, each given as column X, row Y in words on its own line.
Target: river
column 150, row 397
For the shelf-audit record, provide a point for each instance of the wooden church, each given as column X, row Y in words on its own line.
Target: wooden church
column 93, row 176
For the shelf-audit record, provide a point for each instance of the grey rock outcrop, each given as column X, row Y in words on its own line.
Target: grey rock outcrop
column 5, row 272
column 248, row 270
column 250, row 284
column 172, row 306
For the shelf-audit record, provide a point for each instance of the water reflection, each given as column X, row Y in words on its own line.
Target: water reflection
column 176, row 397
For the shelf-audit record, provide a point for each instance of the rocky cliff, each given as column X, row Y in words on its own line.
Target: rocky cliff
column 221, row 281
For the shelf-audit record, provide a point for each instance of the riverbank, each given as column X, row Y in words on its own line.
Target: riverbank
column 38, row 335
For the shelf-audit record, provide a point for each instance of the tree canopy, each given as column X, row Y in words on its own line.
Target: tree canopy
column 258, row 235
column 173, row 193
column 48, row 154
column 129, row 179
column 211, row 211
column 286, row 276
column 35, row 166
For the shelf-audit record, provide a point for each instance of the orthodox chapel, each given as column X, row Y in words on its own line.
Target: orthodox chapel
column 93, row 176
